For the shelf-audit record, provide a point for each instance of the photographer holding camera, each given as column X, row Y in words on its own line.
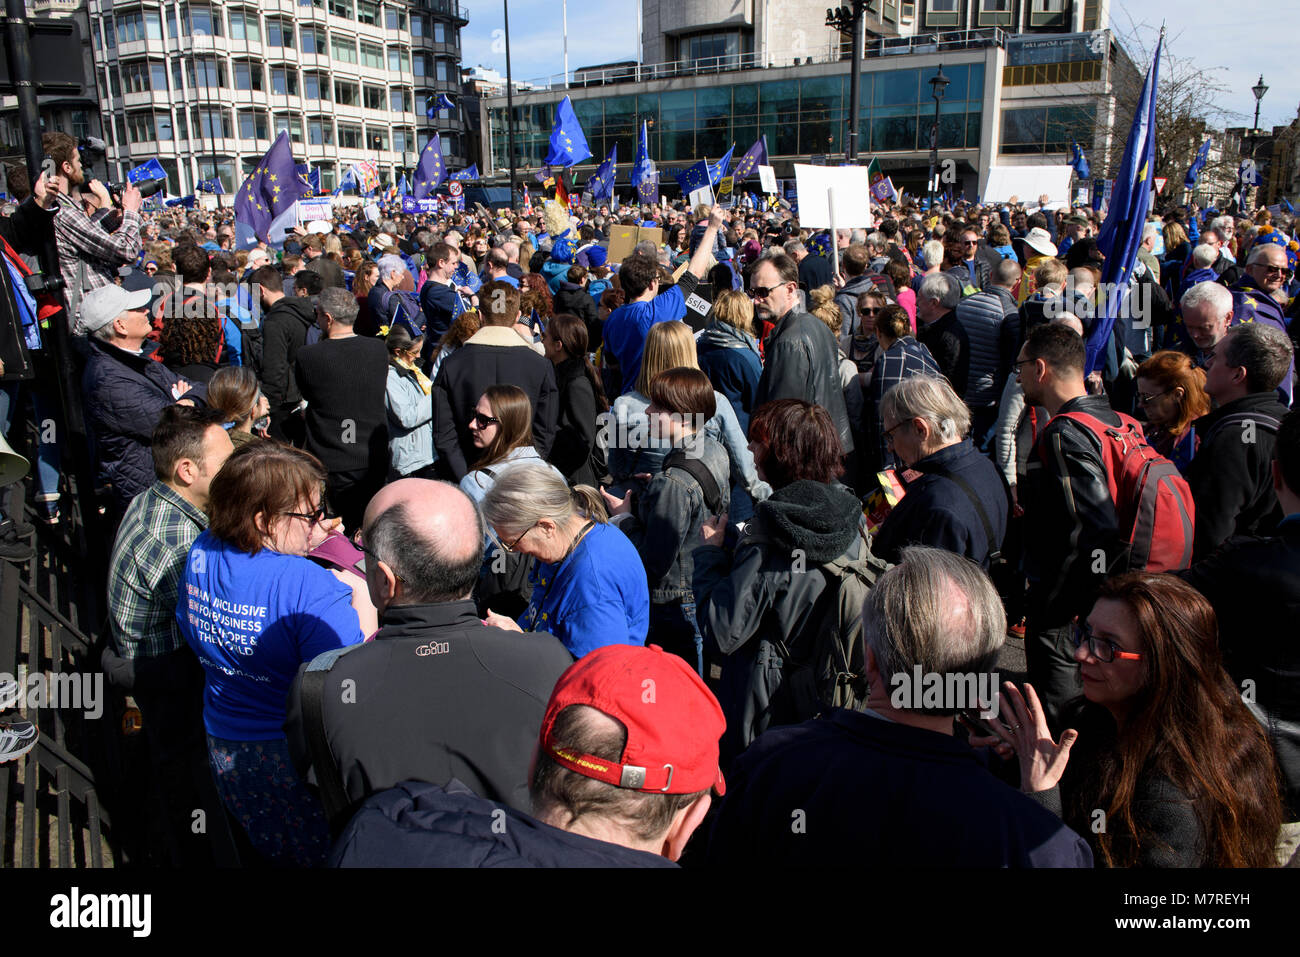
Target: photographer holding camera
column 89, row 256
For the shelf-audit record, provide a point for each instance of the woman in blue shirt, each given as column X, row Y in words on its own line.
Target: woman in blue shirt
column 253, row 609
column 589, row 584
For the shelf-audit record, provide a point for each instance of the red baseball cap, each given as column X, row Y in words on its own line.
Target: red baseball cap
column 673, row 720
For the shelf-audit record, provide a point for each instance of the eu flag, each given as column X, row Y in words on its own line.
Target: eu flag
column 1080, row 163
column 444, row 102
column 349, row 181
column 271, row 190
column 313, row 179
column 431, row 172
column 719, row 169
column 755, row 157
column 648, row 189
column 404, row 187
column 568, row 144
column 468, row 174
column 150, row 170
column 1121, row 233
column 694, row 177
column 602, row 184
column 1198, row 164
column 430, row 111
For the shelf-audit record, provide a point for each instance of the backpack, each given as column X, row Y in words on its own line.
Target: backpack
column 678, row 459
column 826, row 668
column 1152, row 500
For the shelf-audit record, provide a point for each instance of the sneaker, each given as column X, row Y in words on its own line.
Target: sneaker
column 17, row 529
column 9, row 691
column 16, row 739
column 1017, row 630
column 14, row 549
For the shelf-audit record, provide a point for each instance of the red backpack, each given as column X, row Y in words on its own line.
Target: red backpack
column 1153, row 502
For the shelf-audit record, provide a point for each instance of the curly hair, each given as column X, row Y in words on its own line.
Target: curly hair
column 534, row 294
column 188, row 340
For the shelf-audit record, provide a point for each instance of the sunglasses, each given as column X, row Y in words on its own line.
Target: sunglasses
column 312, row 518
column 483, row 421
column 762, row 292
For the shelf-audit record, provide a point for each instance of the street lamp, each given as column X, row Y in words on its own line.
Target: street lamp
column 939, row 83
column 842, row 18
column 1259, row 89
column 510, row 105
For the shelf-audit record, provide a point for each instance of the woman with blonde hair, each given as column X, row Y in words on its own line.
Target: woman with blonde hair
column 588, row 584
column 728, row 352
column 1171, row 391
column 636, row 452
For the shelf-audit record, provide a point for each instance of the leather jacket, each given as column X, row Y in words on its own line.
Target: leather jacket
column 802, row 362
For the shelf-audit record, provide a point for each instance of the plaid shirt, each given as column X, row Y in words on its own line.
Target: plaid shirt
column 82, row 241
column 145, row 571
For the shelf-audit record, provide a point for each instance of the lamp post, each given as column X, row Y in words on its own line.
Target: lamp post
column 844, row 18
column 938, row 83
column 1244, row 188
column 510, row 106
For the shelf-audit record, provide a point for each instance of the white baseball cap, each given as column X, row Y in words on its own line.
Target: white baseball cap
column 319, row 226
column 103, row 305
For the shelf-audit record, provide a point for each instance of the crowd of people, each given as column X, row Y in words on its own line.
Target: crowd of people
column 449, row 540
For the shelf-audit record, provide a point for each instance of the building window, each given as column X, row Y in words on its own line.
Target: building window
column 320, row 131
column 130, row 27
column 367, row 12
column 995, row 13
column 341, row 8
column 394, row 18
column 344, row 50
column 377, row 137
column 403, row 140
column 244, row 26
column 419, row 25
column 346, row 94
column 349, row 136
column 212, row 123
column 279, row 34
column 313, row 84
column 182, row 126
column 140, row 127
column 372, row 97
column 399, row 101
column 1048, row 129
column 114, row 82
column 284, row 81
column 372, row 56
column 313, row 40
column 248, row 76
column 252, row 125
column 292, row 124
column 110, row 34
column 1048, row 13
column 153, row 24
column 80, row 124
column 399, row 60
column 444, row 70
column 201, row 20
column 420, row 66
column 716, row 48
column 206, row 72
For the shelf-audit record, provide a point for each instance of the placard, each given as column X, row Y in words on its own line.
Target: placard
column 372, row 213
column 767, row 179
column 315, row 208
column 702, row 195
column 850, row 188
column 623, row 239
column 412, row 205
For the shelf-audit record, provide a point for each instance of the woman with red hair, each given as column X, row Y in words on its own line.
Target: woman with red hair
column 1171, row 392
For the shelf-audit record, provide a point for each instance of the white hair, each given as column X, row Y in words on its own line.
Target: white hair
column 1208, row 293
column 943, row 288
column 390, row 266
column 1219, row 223
column 1204, row 256
column 1257, row 254
column 932, row 250
column 1149, row 230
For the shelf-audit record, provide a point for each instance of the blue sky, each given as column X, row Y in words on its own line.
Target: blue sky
column 1246, row 37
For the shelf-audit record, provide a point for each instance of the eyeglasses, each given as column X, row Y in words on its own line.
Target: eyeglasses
column 868, row 312
column 1103, row 649
column 483, row 421
column 889, row 433
column 513, row 545
column 312, row 518
column 359, row 541
column 1020, row 362
column 1147, row 399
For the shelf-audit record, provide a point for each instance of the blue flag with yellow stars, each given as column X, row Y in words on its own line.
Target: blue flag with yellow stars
column 754, row 157
column 602, row 184
column 694, row 177
column 444, row 102
column 272, row 188
column 431, row 172
column 568, row 144
column 1198, row 164
column 1130, row 199
column 468, row 174
column 1080, row 162
column 719, row 169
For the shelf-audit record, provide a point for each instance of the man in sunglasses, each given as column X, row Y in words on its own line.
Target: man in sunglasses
column 972, row 271
column 1254, row 297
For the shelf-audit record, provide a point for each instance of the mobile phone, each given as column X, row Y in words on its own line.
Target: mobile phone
column 981, row 724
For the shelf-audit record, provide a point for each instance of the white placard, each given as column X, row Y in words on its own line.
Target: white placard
column 702, row 195
column 1028, row 183
column 767, row 178
column 852, row 192
column 372, row 213
column 318, row 207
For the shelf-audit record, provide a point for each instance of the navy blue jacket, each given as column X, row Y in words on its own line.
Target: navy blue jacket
column 730, row 359
column 420, row 825
column 871, row 791
column 935, row 511
column 125, row 395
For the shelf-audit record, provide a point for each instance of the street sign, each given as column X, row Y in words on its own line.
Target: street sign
column 1160, row 183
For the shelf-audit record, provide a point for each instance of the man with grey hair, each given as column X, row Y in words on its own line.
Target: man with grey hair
column 647, row 248
column 876, row 244
column 1232, row 475
column 343, row 379
column 939, row 330
column 1255, row 297
column 959, row 502
column 440, row 695
column 1207, row 313
column 1225, row 227
column 814, row 270
column 892, row 782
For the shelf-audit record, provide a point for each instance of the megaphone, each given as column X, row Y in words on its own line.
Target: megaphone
column 12, row 465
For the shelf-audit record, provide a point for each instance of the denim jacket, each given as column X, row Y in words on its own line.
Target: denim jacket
column 633, row 450
column 666, row 518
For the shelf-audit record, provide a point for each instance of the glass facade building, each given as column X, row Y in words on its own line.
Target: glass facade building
column 799, row 116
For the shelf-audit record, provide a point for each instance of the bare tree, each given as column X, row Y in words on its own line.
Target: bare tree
column 1189, row 106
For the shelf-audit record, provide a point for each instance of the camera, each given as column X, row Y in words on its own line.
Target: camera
column 146, row 187
column 38, row 283
column 92, row 149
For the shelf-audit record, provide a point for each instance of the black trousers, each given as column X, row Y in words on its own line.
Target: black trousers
column 1049, row 655
column 350, row 492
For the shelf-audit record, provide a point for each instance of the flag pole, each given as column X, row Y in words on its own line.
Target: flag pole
column 510, row 108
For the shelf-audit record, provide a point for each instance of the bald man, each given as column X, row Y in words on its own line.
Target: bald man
column 437, row 694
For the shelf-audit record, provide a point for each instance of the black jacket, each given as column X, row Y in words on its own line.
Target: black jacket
column 802, row 362
column 575, row 427
column 948, row 342
column 492, row 356
column 814, row 271
column 935, row 511
column 1069, row 514
column 284, row 332
column 436, row 695
column 345, row 383
column 423, row 825
column 766, row 588
column 1254, row 586
column 1232, row 474
column 882, row 791
column 330, row 272
column 576, row 301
